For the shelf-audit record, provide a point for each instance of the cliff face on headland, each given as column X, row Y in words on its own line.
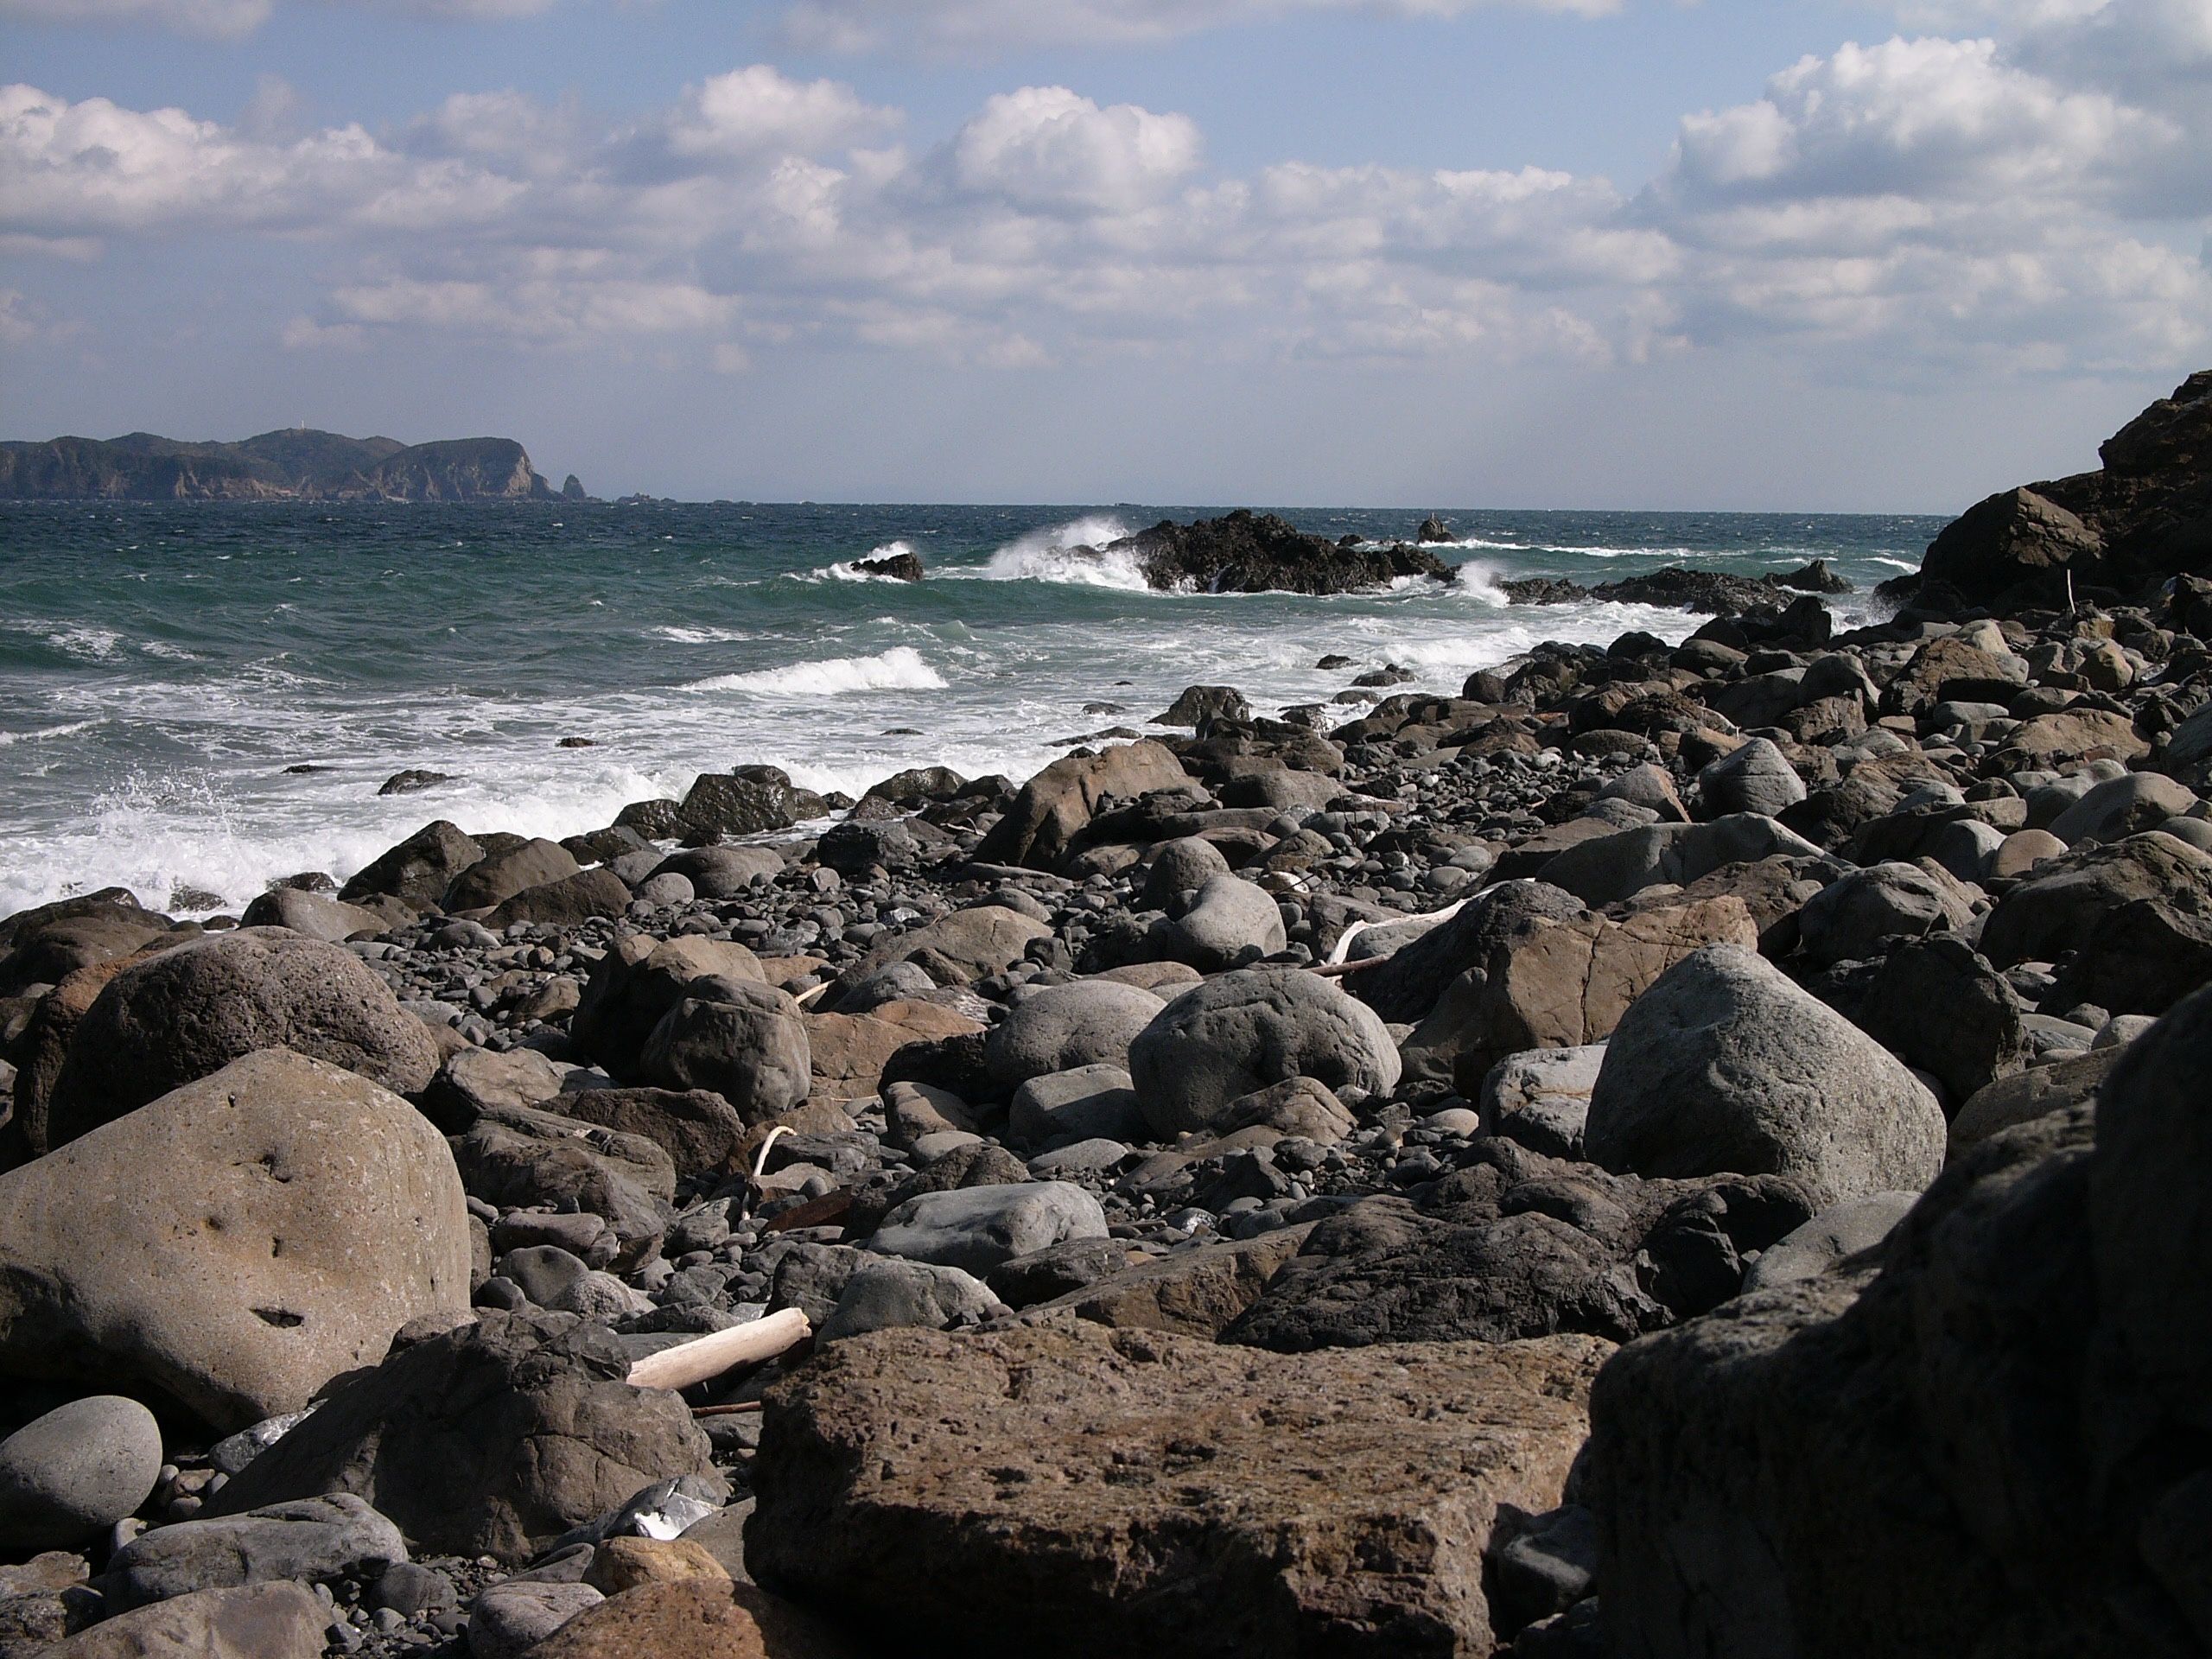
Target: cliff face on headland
column 2144, row 517
column 294, row 465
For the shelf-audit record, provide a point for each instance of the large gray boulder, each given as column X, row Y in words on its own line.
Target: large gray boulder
column 2120, row 807
column 418, row 870
column 1610, row 868
column 1857, row 915
column 493, row 1439
column 1230, row 920
column 312, row 1540
column 1756, row 778
column 1541, row 1098
column 317, row 915
column 1240, row 1032
column 979, row 1228
column 1835, row 1234
column 1087, row 1022
column 1084, row 1102
column 745, row 1041
column 174, row 1018
column 634, row 985
column 504, row 874
column 893, row 1294
column 237, row 1244
column 1989, row 1439
column 76, row 1471
column 1725, row 1065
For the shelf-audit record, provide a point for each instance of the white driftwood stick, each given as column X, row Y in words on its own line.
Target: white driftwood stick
column 722, row 1350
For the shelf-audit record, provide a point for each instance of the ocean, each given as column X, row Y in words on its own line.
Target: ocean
column 163, row 668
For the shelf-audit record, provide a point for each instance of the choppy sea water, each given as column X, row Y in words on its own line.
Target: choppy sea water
column 162, row 666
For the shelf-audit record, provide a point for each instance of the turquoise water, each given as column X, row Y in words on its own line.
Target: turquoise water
column 160, row 666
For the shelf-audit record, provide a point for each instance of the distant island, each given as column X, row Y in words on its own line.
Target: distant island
column 297, row 464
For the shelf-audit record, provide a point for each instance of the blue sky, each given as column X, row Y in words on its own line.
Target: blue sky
column 1881, row 257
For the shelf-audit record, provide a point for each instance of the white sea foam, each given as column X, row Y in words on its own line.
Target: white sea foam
column 68, row 730
column 1067, row 553
column 687, row 636
column 900, row 669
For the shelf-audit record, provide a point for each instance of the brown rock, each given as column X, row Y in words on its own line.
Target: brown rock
column 1563, row 984
column 1055, row 805
column 695, row 1621
column 2069, row 735
column 1098, row 1492
column 183, row 1014
column 698, row 1129
column 849, row 1050
column 278, row 1620
column 619, row 1564
column 1192, row 1293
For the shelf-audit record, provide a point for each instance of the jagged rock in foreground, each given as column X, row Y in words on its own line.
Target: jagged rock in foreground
column 1090, row 1492
column 1987, row 1439
column 2144, row 517
column 1245, row 552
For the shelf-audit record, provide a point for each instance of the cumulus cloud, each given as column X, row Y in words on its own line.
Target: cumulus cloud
column 758, row 111
column 1047, row 149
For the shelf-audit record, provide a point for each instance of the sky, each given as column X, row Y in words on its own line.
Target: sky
column 1768, row 255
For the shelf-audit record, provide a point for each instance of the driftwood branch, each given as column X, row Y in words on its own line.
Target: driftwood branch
column 723, row 1350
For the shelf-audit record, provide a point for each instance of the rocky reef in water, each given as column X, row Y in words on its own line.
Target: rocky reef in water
column 1248, row 552
column 298, row 464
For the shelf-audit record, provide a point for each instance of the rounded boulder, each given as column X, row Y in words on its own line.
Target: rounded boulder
column 1240, row 1032
column 1088, row 1022
column 237, row 1243
column 76, row 1471
column 1723, row 1066
column 187, row 1012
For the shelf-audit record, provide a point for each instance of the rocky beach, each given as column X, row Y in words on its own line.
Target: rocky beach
column 1687, row 1148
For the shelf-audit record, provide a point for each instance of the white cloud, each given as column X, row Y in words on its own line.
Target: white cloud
column 1910, row 201
column 759, row 111
column 1047, row 149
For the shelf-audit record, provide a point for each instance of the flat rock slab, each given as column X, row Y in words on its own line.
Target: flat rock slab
column 1086, row 1491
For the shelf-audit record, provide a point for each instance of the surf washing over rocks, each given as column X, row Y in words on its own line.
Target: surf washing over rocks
column 197, row 700
column 1685, row 1145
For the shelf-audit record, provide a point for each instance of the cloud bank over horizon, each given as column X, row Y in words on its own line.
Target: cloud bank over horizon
column 2031, row 196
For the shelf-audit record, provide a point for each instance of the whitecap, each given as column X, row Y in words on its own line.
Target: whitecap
column 686, row 636
column 67, row 729
column 900, row 669
column 1068, row 553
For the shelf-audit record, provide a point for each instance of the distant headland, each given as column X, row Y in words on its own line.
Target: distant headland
column 297, row 464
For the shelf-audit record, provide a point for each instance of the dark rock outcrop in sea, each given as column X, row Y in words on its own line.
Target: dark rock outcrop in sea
column 2117, row 534
column 295, row 464
column 901, row 566
column 1245, row 552
column 1712, row 593
column 1672, row 1151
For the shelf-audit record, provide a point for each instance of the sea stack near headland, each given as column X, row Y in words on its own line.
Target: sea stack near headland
column 1673, row 1150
